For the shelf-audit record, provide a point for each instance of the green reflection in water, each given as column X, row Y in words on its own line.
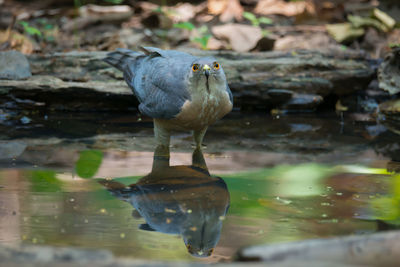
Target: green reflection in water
column 387, row 208
column 88, row 163
column 45, row 181
column 287, row 202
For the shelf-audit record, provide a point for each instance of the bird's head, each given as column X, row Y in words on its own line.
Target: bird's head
column 202, row 235
column 207, row 71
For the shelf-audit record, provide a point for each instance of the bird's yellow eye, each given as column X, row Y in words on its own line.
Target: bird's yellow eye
column 216, row 65
column 195, row 67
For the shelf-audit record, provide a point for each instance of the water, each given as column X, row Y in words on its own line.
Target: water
column 283, row 179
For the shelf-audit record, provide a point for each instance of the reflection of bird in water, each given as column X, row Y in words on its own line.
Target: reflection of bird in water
column 183, row 200
column 179, row 91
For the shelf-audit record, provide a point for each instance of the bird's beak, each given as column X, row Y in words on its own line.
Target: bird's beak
column 206, row 69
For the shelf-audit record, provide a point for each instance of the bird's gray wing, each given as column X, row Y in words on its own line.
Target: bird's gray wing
column 157, row 77
column 229, row 93
column 164, row 85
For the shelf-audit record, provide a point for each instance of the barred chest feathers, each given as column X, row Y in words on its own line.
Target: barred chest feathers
column 205, row 107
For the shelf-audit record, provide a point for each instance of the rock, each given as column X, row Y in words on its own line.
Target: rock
column 391, row 115
column 11, row 149
column 14, row 66
column 303, row 102
column 351, row 250
column 52, row 84
column 393, row 166
column 263, row 80
column 389, row 72
column 53, row 256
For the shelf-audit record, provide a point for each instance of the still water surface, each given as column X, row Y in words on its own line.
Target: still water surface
column 268, row 180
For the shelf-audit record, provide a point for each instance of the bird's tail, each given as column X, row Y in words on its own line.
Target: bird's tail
column 121, row 57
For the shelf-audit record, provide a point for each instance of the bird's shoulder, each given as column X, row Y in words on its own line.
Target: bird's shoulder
column 168, row 54
column 161, row 83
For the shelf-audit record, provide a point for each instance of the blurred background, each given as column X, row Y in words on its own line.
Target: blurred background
column 245, row 25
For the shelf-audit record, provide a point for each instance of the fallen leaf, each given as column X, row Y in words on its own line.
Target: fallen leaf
column 228, row 9
column 92, row 14
column 17, row 42
column 233, row 10
column 280, row 7
column 344, row 32
column 215, row 44
column 362, row 22
column 242, row 38
column 216, row 7
column 184, row 12
column 384, row 18
column 306, row 40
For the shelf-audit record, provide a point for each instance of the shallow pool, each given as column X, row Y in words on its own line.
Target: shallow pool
column 64, row 182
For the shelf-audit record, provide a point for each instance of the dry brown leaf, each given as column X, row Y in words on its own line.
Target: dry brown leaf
column 280, row 7
column 234, row 10
column 185, row 11
column 92, row 14
column 215, row 44
column 216, row 7
column 306, row 40
column 228, row 9
column 241, row 37
column 17, row 41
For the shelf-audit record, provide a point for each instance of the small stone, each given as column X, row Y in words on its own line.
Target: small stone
column 25, row 120
column 14, row 66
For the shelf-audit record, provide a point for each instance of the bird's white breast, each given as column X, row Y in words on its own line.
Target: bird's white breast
column 204, row 108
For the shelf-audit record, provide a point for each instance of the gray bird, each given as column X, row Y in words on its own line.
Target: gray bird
column 178, row 90
column 184, row 200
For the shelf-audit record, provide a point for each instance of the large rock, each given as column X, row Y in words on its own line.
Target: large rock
column 389, row 72
column 381, row 249
column 391, row 115
column 299, row 80
column 14, row 66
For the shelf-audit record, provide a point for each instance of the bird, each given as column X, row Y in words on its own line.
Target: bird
column 184, row 200
column 181, row 92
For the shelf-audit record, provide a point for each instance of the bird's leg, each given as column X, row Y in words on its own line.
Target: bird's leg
column 197, row 157
column 160, row 158
column 161, row 153
column 198, row 137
